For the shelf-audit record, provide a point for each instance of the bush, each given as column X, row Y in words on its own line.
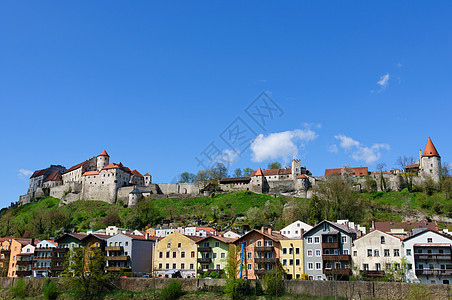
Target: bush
column 19, row 289
column 238, row 289
column 172, row 291
column 50, row 290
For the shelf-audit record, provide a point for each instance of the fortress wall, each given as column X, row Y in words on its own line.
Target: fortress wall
column 281, row 186
column 179, row 188
column 235, row 187
column 58, row 191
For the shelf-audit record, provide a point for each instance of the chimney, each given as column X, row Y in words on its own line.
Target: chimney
column 146, row 235
column 269, row 230
column 262, row 229
column 33, row 241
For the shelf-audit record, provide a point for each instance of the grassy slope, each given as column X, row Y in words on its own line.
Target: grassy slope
column 83, row 215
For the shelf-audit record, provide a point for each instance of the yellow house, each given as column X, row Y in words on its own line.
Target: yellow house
column 291, row 257
column 151, row 231
column 176, row 255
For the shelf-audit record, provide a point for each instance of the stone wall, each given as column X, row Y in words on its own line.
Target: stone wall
column 281, row 186
column 178, row 188
column 347, row 289
column 61, row 190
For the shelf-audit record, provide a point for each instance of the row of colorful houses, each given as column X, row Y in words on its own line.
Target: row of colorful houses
column 411, row 252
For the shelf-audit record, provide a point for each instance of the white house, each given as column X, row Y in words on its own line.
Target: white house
column 295, row 230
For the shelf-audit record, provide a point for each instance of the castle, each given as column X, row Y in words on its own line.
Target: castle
column 98, row 179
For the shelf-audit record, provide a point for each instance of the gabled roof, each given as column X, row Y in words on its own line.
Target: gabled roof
column 274, row 236
column 54, row 176
column 430, row 149
column 218, row 238
column 258, row 172
column 376, row 230
column 271, row 172
column 75, row 167
column 99, row 236
column 193, row 238
column 235, row 179
column 39, row 173
column 302, row 176
column 407, row 226
column 90, row 173
column 77, row 236
column 136, row 173
column 354, row 171
column 334, row 224
column 147, row 174
column 425, row 231
column 104, row 153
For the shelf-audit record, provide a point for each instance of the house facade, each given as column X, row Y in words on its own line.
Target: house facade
column 291, row 257
column 42, row 258
column 213, row 254
column 295, row 230
column 376, row 253
column 327, row 251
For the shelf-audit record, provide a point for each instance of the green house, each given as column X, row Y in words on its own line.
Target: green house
column 213, row 255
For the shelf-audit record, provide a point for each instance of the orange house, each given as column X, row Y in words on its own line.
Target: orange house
column 16, row 248
column 261, row 252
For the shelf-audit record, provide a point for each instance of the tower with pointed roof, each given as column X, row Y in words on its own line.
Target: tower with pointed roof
column 430, row 162
column 258, row 182
column 103, row 160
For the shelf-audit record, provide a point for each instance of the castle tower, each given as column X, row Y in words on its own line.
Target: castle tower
column 103, row 160
column 430, row 162
column 296, row 168
column 258, row 181
column 147, row 179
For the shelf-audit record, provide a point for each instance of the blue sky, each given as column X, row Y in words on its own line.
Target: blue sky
column 155, row 83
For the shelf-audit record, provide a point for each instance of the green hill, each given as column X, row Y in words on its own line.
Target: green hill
column 45, row 218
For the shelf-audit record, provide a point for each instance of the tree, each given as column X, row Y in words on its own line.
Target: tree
column 187, row 177
column 218, row 171
column 255, row 217
column 380, row 168
column 84, row 272
column 147, row 213
column 274, row 284
column 274, row 165
column 238, row 172
column 402, row 162
column 447, row 187
column 247, row 172
column 370, row 184
column 315, row 210
column 203, row 178
column 112, row 219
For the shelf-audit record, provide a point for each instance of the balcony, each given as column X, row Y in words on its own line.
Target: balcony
column 261, row 271
column 333, row 245
column 57, row 268
column 58, row 258
column 263, row 248
column 345, row 271
column 60, row 250
column 45, row 249
column 116, row 269
column 434, row 272
column 433, row 256
column 204, row 249
column 114, row 248
column 40, row 268
column 42, row 257
column 202, row 271
column 265, row 260
column 24, row 273
column 118, row 258
column 204, row 260
column 335, row 257
column 373, row 273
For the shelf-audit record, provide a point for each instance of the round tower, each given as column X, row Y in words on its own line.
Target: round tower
column 430, row 162
column 103, row 160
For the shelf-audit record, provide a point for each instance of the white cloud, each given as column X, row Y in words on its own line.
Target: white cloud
column 333, row 148
column 228, row 156
column 282, row 145
column 24, row 173
column 399, row 65
column 384, row 80
column 360, row 152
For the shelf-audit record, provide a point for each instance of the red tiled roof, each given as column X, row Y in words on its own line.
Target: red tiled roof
column 136, row 173
column 111, row 166
column 274, row 236
column 381, row 232
column 90, row 173
column 39, row 173
column 302, row 176
column 147, row 174
column 104, row 153
column 412, row 166
column 142, row 237
column 407, row 226
column 54, row 176
column 355, row 171
column 75, row 167
column 271, row 172
column 194, row 238
column 430, row 149
column 219, row 238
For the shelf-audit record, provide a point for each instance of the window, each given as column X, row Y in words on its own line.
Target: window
column 217, row 244
column 284, row 250
column 310, row 278
column 319, row 277
column 316, row 239
column 376, row 253
column 191, row 267
column 167, row 254
column 377, row 267
column 160, row 266
column 290, row 262
column 317, row 253
column 182, row 266
column 182, row 254
column 369, row 252
column 174, row 266
column 318, row 266
column 174, row 254
column 309, row 253
column 167, row 266
column 344, row 239
column 268, row 243
column 214, row 255
column 396, row 252
column 249, row 255
column 192, row 255
column 387, row 253
column 218, row 267
column 429, row 240
column 345, row 251
column 284, row 262
column 179, row 245
column 169, row 245
column 365, row 267
column 355, row 253
column 408, row 252
column 297, row 250
column 223, row 255
column 161, row 255
column 259, row 244
column 309, row 240
column 310, row 266
column 410, row 266
column 290, row 250
column 297, row 262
